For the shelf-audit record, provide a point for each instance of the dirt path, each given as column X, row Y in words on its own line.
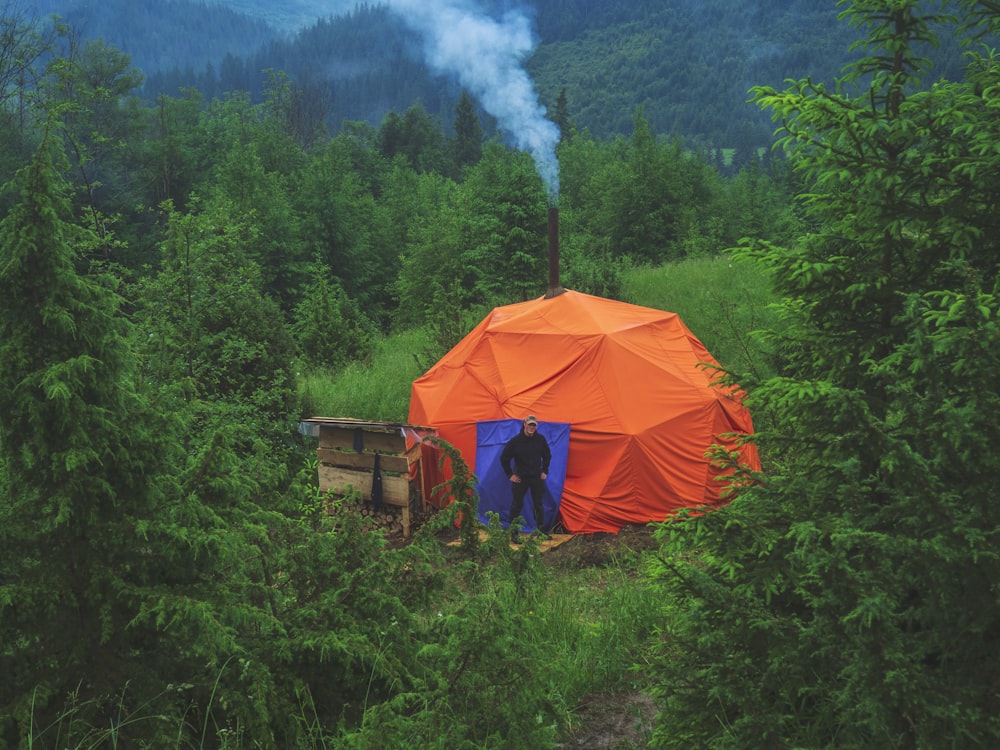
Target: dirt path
column 614, row 721
column 607, row 721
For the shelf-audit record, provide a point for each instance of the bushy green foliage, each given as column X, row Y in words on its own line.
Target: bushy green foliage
column 88, row 523
column 76, row 441
column 416, row 137
column 484, row 243
column 328, row 326
column 651, row 198
column 258, row 198
column 585, row 262
column 343, row 224
column 466, row 147
column 90, row 87
column 847, row 600
column 484, row 682
column 651, row 201
column 348, row 611
column 206, row 324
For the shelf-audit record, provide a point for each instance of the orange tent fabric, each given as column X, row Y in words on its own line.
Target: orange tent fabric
column 628, row 381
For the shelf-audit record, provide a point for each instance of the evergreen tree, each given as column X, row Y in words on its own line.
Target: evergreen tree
column 416, row 135
column 173, row 169
column 259, row 199
column 206, row 323
column 504, row 243
column 650, row 199
column 848, row 599
column 301, row 110
column 467, row 145
column 562, row 117
column 329, row 327
column 90, row 86
column 431, row 258
column 84, row 455
column 162, row 580
column 342, row 223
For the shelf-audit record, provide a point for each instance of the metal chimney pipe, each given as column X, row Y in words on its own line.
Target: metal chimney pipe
column 555, row 289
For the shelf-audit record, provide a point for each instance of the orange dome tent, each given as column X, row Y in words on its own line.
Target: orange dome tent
column 642, row 412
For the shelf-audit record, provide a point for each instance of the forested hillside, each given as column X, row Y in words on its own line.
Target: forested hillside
column 688, row 64
column 161, row 34
column 184, row 276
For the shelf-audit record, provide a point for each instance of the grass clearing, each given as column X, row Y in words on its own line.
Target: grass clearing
column 589, row 622
column 378, row 389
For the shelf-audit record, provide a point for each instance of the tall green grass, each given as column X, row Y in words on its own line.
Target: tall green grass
column 722, row 301
column 377, row 389
column 590, row 623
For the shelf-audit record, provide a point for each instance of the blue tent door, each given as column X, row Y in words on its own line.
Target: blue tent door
column 493, row 485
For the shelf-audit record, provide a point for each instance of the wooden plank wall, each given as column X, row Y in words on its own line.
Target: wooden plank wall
column 395, row 490
column 333, row 436
column 341, row 466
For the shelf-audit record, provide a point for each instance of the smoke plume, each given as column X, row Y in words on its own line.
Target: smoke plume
column 485, row 54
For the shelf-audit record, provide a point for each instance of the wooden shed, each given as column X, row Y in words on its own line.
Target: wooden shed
column 384, row 461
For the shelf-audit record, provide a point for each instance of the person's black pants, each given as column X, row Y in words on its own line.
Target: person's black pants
column 536, row 485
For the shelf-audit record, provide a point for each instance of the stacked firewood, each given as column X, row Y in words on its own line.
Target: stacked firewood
column 388, row 518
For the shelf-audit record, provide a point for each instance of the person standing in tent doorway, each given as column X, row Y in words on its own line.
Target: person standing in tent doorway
column 529, row 450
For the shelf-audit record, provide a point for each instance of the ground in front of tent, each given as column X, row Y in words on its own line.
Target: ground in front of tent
column 544, row 545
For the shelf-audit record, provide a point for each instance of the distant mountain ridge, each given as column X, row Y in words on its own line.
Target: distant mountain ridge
column 290, row 15
column 162, row 34
column 687, row 63
column 285, row 17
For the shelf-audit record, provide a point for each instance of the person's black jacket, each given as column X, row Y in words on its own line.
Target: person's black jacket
column 531, row 455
